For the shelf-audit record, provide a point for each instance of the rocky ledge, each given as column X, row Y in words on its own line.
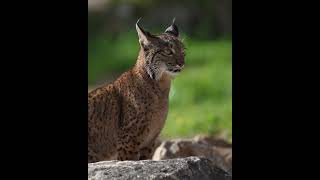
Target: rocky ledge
column 188, row 168
column 218, row 150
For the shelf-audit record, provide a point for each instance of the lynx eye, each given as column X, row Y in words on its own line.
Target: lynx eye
column 168, row 52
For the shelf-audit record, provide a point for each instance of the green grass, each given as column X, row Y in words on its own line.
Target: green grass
column 200, row 97
column 108, row 56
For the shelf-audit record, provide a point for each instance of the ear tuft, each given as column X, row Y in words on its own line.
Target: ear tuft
column 173, row 29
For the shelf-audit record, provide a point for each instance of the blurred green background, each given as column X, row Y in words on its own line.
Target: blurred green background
column 201, row 95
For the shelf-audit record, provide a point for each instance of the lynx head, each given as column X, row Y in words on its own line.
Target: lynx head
column 162, row 53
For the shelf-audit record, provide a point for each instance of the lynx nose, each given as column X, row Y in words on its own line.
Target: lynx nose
column 180, row 62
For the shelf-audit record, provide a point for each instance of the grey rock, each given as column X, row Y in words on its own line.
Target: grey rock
column 217, row 150
column 190, row 168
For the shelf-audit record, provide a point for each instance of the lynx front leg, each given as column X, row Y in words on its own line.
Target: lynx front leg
column 124, row 155
column 128, row 150
column 147, row 152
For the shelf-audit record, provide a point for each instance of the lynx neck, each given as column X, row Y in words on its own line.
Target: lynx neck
column 163, row 83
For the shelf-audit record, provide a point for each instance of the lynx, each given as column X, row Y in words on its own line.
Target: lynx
column 126, row 116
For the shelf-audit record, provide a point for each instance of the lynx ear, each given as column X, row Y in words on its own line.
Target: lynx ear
column 173, row 29
column 145, row 37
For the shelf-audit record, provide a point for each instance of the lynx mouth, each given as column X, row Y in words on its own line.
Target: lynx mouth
column 176, row 70
column 173, row 72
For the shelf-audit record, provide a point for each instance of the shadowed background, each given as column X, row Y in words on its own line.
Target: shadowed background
column 201, row 96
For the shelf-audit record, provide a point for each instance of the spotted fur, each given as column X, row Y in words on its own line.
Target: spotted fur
column 126, row 116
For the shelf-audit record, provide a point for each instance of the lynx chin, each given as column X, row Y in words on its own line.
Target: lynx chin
column 126, row 116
